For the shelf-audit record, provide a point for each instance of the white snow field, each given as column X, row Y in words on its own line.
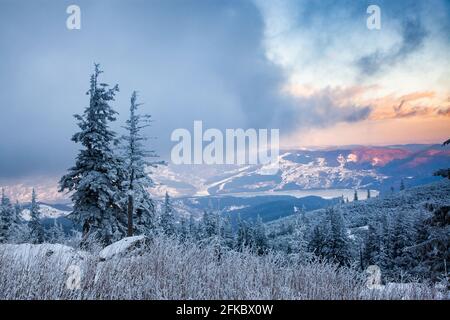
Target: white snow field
column 163, row 268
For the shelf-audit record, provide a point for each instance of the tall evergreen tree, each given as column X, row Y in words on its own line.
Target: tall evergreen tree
column 446, row 171
column 210, row 224
column 299, row 245
column 402, row 238
column 136, row 160
column 338, row 244
column 183, row 230
column 55, row 233
column 35, row 226
column 98, row 175
column 17, row 209
column 12, row 230
column 435, row 249
column 260, row 242
column 192, row 228
column 226, row 232
column 242, row 237
column 355, row 195
column 402, row 185
column 5, row 217
column 385, row 261
column 319, row 239
column 372, row 244
column 167, row 221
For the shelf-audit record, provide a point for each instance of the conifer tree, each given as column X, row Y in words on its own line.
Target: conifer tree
column 136, row 160
column 97, row 178
column 55, row 234
column 5, row 217
column 192, row 228
column 35, row 226
column 338, row 246
column 355, row 196
column 12, row 230
column 167, row 221
column 210, row 224
column 259, row 237
column 402, row 185
column 402, row 238
column 319, row 239
column 299, row 244
column 242, row 237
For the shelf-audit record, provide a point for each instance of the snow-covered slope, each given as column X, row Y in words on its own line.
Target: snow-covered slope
column 355, row 167
column 46, row 211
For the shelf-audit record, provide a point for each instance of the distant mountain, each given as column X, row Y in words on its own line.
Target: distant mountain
column 51, row 213
column 47, row 211
column 377, row 168
column 363, row 167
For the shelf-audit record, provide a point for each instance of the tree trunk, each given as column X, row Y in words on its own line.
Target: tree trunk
column 130, row 215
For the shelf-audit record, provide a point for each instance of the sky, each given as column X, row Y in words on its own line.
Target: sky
column 310, row 68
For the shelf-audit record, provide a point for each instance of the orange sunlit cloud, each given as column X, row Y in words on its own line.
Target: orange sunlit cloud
column 416, row 117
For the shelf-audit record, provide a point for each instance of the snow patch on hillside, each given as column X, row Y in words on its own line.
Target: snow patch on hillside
column 45, row 212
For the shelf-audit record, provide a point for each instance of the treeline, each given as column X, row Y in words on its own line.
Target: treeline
column 15, row 229
column 407, row 234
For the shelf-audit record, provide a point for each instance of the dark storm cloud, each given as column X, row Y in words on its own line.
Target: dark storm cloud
column 190, row 60
column 413, row 36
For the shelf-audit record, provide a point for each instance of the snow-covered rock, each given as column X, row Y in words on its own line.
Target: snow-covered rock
column 127, row 246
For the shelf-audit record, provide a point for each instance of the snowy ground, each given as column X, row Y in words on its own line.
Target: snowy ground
column 137, row 268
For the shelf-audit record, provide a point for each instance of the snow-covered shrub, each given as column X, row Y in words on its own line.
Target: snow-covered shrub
column 168, row 269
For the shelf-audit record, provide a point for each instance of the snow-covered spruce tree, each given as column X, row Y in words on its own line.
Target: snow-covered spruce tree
column 166, row 219
column 435, row 249
column 260, row 243
column 193, row 233
column 183, row 230
column 338, row 245
column 5, row 218
column 139, row 204
column 55, row 233
column 17, row 209
column 402, row 238
column 402, row 185
column 368, row 194
column 299, row 244
column 12, row 228
column 319, row 238
column 35, row 226
column 385, row 261
column 243, row 237
column 355, row 196
column 372, row 244
column 210, row 224
column 226, row 231
column 446, row 171
column 97, row 178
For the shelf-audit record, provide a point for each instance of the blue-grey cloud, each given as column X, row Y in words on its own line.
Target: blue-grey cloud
column 190, row 60
column 413, row 36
